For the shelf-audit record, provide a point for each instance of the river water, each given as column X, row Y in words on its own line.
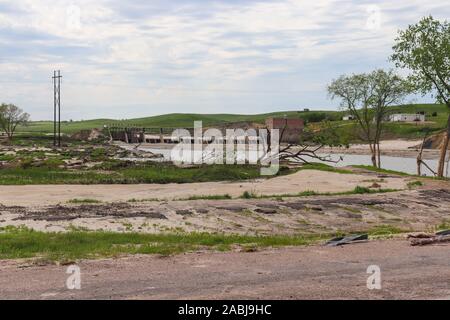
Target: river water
column 402, row 164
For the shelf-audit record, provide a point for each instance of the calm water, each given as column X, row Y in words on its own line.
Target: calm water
column 407, row 165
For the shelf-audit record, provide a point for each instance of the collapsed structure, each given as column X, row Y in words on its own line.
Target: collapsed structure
column 290, row 131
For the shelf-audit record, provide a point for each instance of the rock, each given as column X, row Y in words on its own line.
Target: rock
column 232, row 208
column 184, row 212
column 266, row 211
column 295, row 205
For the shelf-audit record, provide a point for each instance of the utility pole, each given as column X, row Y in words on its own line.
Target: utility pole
column 57, row 108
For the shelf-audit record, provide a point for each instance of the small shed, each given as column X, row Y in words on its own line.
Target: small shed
column 348, row 117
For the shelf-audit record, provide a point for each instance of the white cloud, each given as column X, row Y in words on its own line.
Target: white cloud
column 253, row 46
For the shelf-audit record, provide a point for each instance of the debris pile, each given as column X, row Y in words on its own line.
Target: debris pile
column 88, row 135
column 423, row 239
column 340, row 241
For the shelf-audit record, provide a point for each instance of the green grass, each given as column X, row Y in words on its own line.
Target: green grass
column 350, row 129
column 381, row 170
column 414, row 184
column 309, row 193
column 145, row 200
column 249, row 195
column 386, row 230
column 444, row 225
column 145, row 173
column 209, row 197
column 18, row 243
column 42, row 139
column 178, row 120
column 24, row 243
column 324, row 167
column 399, row 173
column 82, row 201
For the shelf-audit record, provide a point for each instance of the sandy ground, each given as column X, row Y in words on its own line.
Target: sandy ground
column 391, row 145
column 291, row 273
column 305, row 180
column 409, row 210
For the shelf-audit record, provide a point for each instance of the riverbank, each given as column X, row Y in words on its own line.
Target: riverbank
column 394, row 148
column 391, row 148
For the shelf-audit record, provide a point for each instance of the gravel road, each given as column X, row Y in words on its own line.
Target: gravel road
column 314, row 272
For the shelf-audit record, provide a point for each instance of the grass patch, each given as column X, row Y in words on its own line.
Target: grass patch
column 385, row 230
column 308, row 193
column 145, row 200
column 140, row 173
column 25, row 243
column 324, row 167
column 81, row 201
column 249, row 195
column 414, row 184
column 399, row 173
column 444, row 225
column 380, row 170
column 21, row 242
column 210, row 197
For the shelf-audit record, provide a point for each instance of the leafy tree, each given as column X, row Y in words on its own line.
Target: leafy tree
column 367, row 97
column 387, row 89
column 424, row 49
column 10, row 117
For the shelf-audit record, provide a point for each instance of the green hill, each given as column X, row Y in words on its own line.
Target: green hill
column 178, row 120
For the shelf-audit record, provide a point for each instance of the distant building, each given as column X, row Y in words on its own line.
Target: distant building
column 348, row 117
column 405, row 117
column 290, row 128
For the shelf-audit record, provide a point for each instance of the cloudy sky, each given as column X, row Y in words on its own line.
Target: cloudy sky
column 123, row 59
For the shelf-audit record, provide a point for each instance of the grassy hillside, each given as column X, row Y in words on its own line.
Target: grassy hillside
column 350, row 129
column 177, row 120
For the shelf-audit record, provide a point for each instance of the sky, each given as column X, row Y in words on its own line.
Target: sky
column 124, row 59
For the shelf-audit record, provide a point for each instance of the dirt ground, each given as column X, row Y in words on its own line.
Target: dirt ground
column 305, row 180
column 409, row 210
column 315, row 272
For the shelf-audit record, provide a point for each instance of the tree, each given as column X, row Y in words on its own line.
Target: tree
column 424, row 49
column 10, row 117
column 387, row 89
column 367, row 97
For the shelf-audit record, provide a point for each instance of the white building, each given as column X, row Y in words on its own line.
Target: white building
column 348, row 118
column 405, row 117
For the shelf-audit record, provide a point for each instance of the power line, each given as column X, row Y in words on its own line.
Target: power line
column 57, row 107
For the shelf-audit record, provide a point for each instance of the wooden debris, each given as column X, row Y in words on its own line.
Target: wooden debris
column 418, row 241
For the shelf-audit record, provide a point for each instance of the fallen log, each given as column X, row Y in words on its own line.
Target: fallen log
column 431, row 240
column 420, row 236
